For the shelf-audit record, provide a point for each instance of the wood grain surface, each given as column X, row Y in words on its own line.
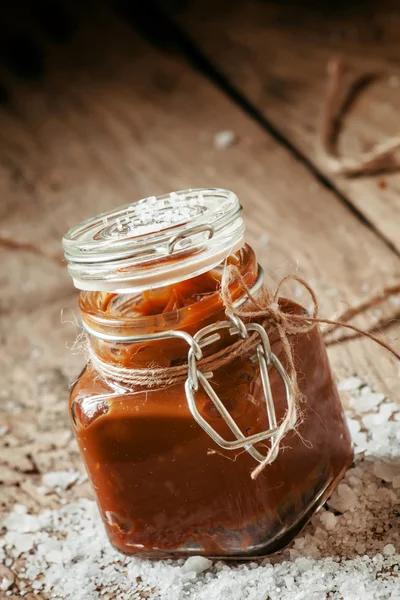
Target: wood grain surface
column 111, row 119
column 276, row 54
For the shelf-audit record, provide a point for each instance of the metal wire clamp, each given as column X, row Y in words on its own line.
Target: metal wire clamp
column 264, row 357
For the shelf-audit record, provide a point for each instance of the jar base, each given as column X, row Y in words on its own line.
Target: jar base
column 256, row 552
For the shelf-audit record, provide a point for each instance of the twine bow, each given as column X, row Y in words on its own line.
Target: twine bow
column 286, row 324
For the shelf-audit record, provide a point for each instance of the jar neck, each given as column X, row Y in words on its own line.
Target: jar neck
column 199, row 304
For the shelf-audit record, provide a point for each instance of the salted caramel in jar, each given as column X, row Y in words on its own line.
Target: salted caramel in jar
column 183, row 396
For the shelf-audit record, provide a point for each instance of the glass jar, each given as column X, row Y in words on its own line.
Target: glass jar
column 170, row 457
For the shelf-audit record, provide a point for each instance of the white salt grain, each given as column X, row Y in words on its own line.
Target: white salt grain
column 224, row 139
column 196, row 564
column 360, row 548
column 60, row 480
column 389, row 550
column 353, row 425
column 329, row 520
column 20, row 542
column 347, row 496
column 5, row 584
column 396, row 482
column 350, row 384
column 367, row 402
column 264, row 239
column 21, row 522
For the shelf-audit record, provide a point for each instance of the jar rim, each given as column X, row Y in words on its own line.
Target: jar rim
column 94, row 315
column 155, row 241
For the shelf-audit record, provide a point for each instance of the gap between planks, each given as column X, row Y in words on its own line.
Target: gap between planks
column 199, row 60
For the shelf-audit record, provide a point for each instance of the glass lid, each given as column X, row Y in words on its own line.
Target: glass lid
column 154, row 242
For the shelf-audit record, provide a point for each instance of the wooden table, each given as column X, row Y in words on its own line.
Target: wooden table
column 102, row 104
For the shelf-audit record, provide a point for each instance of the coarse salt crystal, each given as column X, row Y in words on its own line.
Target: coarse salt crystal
column 21, row 542
column 5, row 584
column 386, row 471
column 387, row 409
column 365, row 390
column 21, row 522
column 343, row 499
column 224, row 139
column 20, row 509
column 196, row 564
column 329, row 520
column 360, row 548
column 389, row 550
column 367, row 402
column 60, row 479
column 350, row 384
column 396, row 482
column 353, row 425
column 303, row 564
column 264, row 239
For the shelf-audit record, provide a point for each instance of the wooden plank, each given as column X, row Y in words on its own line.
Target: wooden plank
column 114, row 120
column 276, row 54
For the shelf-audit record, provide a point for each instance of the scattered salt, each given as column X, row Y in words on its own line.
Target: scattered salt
column 348, row 498
column 60, row 480
column 353, row 425
column 367, row 402
column 396, row 482
column 389, row 550
column 350, row 384
column 264, row 239
column 350, row 555
column 360, row 548
column 196, row 564
column 224, row 139
column 329, row 520
column 5, row 584
column 387, row 471
column 3, row 430
column 19, row 542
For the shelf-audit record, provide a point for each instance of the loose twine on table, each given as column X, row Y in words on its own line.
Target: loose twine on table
column 379, row 158
column 267, row 310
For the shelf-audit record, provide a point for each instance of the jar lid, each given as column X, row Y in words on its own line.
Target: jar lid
column 155, row 241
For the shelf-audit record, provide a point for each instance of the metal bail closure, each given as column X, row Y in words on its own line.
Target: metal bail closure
column 265, row 358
